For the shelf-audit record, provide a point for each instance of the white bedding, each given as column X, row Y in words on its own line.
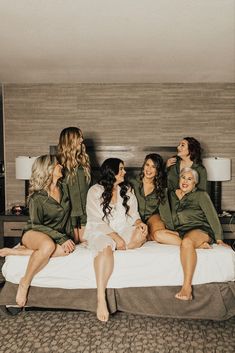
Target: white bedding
column 152, row 265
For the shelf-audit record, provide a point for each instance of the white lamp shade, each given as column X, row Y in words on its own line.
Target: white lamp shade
column 24, row 167
column 218, row 169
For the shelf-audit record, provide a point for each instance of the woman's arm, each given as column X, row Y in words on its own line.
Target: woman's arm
column 95, row 212
column 211, row 215
column 133, row 210
column 36, row 218
column 202, row 185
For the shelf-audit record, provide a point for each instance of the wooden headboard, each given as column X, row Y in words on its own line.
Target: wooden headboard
column 133, row 156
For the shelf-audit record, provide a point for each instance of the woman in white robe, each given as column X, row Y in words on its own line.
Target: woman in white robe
column 113, row 222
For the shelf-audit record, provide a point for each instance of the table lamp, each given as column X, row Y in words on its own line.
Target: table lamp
column 24, row 170
column 218, row 170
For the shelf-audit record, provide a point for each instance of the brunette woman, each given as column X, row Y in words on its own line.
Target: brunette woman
column 188, row 155
column 73, row 157
column 152, row 201
column 113, row 222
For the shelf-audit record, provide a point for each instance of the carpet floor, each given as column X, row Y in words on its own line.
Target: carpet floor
column 39, row 331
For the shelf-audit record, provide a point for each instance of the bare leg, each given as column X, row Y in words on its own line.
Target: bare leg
column 20, row 251
column 81, row 232
column 192, row 240
column 103, row 264
column 43, row 247
column 154, row 224
column 160, row 234
column 166, row 236
column 137, row 239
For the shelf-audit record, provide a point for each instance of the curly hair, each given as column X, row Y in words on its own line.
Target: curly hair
column 42, row 170
column 72, row 152
column 159, row 179
column 194, row 149
column 109, row 169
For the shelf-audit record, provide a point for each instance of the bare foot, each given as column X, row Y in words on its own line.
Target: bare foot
column 205, row 245
column 102, row 311
column 184, row 294
column 4, row 252
column 21, row 296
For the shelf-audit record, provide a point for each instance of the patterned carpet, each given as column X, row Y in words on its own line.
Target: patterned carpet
column 39, row 331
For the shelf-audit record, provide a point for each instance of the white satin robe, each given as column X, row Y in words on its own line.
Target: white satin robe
column 97, row 229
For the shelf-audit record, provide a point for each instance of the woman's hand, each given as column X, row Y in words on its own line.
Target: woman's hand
column 68, row 246
column 120, row 242
column 171, row 161
column 220, row 242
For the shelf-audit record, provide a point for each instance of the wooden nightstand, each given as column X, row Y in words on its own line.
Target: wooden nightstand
column 11, row 227
column 228, row 225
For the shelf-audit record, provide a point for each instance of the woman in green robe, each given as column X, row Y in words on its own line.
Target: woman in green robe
column 195, row 220
column 48, row 230
column 152, row 201
column 73, row 157
column 188, row 155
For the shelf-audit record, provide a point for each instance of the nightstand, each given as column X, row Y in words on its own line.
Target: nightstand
column 11, row 227
column 228, row 226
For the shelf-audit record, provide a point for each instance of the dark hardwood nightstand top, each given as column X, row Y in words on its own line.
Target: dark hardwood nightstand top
column 8, row 217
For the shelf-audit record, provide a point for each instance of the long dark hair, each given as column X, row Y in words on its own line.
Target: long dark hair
column 194, row 149
column 159, row 179
column 109, row 169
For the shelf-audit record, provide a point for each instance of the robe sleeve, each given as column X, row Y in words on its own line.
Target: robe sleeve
column 96, row 222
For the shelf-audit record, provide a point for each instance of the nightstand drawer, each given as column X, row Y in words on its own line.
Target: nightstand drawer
column 13, row 229
column 228, row 227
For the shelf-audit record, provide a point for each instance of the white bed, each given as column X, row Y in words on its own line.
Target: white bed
column 144, row 281
column 151, row 265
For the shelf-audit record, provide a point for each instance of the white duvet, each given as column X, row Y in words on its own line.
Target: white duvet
column 151, row 265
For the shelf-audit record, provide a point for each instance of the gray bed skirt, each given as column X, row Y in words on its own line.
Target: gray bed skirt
column 212, row 301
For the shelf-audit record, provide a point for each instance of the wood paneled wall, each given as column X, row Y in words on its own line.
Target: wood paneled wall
column 119, row 114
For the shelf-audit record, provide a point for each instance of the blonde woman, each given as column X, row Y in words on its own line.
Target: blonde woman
column 73, row 157
column 197, row 223
column 48, row 229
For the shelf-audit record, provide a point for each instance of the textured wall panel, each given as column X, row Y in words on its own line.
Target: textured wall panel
column 119, row 114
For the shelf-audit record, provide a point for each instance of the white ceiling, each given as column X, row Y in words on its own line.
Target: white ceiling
column 117, row 41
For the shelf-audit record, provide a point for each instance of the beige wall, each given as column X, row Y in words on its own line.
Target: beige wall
column 119, row 114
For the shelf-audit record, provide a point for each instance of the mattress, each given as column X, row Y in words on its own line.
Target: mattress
column 151, row 265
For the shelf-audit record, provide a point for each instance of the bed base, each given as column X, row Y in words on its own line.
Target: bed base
column 212, row 301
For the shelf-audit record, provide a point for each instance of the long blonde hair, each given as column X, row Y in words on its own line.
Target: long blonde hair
column 42, row 170
column 72, row 153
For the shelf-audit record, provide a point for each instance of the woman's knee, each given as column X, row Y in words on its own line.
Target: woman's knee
column 47, row 248
column 187, row 243
column 159, row 235
column 107, row 250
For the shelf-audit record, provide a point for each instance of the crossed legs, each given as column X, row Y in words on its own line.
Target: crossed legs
column 160, row 234
column 192, row 240
column 40, row 247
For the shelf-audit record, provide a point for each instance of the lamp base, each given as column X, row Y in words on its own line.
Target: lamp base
column 215, row 194
column 26, row 192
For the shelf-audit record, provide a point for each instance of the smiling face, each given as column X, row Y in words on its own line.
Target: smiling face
column 183, row 149
column 187, row 182
column 121, row 174
column 150, row 170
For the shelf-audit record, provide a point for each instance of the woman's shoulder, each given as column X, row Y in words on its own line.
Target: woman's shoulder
column 199, row 167
column 38, row 195
column 96, row 188
column 134, row 182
